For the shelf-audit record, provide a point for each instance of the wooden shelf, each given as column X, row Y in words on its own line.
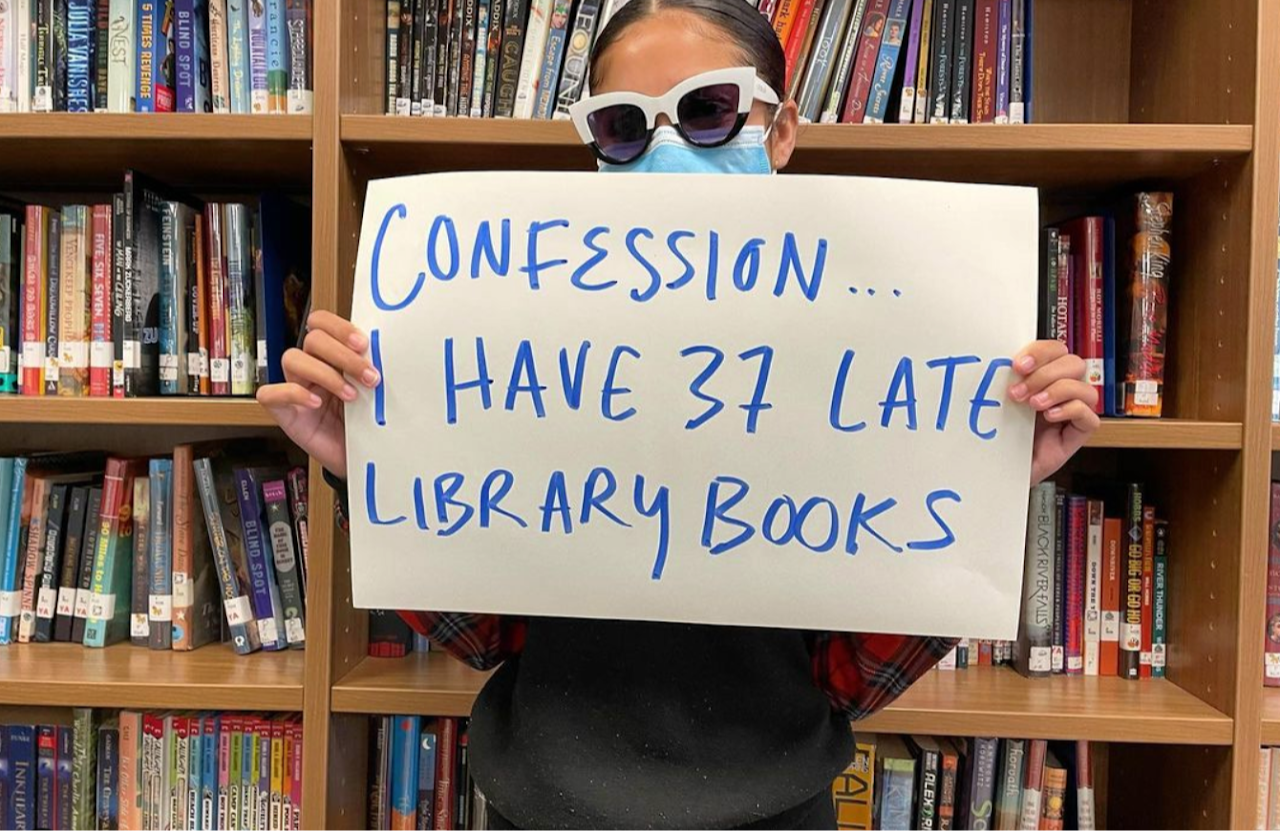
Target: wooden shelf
column 1275, row 436
column 1271, row 716
column 92, row 150
column 1135, row 433
column 212, row 412
column 974, row 702
column 1051, row 155
column 212, row 677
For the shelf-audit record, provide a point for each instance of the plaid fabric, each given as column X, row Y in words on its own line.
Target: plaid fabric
column 860, row 673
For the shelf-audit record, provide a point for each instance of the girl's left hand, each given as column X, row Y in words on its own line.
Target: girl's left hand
column 1052, row 383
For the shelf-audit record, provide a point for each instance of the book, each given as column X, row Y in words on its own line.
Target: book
column 1149, row 304
column 108, row 614
column 1034, row 647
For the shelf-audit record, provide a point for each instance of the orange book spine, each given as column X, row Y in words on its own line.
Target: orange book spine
column 1109, row 646
column 1149, row 309
column 34, row 297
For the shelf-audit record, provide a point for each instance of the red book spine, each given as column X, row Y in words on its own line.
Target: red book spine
column 1109, row 648
column 1086, row 271
column 986, row 24
column 219, row 355
column 984, row 653
column 1271, row 677
column 101, row 347
column 795, row 38
column 1148, row 579
column 1077, row 529
column 33, row 299
column 445, row 756
column 864, row 66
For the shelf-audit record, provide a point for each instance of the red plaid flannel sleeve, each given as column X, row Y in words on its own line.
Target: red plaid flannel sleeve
column 480, row 641
column 862, row 673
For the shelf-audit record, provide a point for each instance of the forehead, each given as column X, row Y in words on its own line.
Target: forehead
column 656, row 53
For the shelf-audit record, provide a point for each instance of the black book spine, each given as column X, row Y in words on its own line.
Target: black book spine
column 50, row 564
column 87, row 554
column 393, row 55
column 102, row 34
column 963, row 49
column 512, row 50
column 927, row 790
column 58, row 58
column 54, row 286
column 1059, row 642
column 430, row 25
column 421, row 12
column 444, row 26
column 466, row 74
column 1049, row 285
column 70, row 571
column 940, row 60
column 404, row 55
column 42, row 99
column 494, row 53
column 1131, row 616
column 456, row 26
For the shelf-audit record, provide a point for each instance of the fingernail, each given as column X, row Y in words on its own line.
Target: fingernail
column 1018, row 391
column 1056, row 412
column 315, row 400
column 349, row 393
column 370, row 377
column 1026, row 363
column 357, row 341
column 1040, row 399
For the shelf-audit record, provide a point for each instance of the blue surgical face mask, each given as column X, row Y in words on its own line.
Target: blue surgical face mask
column 668, row 152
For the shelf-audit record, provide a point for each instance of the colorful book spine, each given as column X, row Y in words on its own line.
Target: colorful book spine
column 1160, row 601
column 574, row 77
column 88, row 550
column 1131, row 620
column 19, row 511
column 240, row 85
column 219, row 349
column 284, row 556
column 404, row 767
column 83, row 759
column 259, row 96
column 122, row 57
column 240, row 306
column 139, row 622
column 31, row 557
column 160, row 604
column 1003, row 49
column 148, row 28
column 841, row 75
column 52, row 303
column 962, row 63
column 197, row 307
column 209, row 771
column 986, row 30
column 942, row 44
column 1034, row 652
column 1093, row 588
column 1149, row 293
column 549, row 81
column 23, row 777
column 298, row 22
column 75, row 301
column 1060, row 584
column 81, row 71
column 910, row 68
column 185, row 56
column 508, row 80
column 277, row 57
column 244, row 631
column 864, row 65
column 107, row 621
column 1148, row 588
column 23, row 17
column 537, row 31
column 1077, row 551
column 121, row 283
column 34, row 297
column 62, row 790
column 100, row 342
column 822, row 59
column 297, row 479
column 219, row 57
column 1017, row 61
column 173, row 288
column 887, row 63
column 46, row 776
column 10, row 300
column 268, row 608
column 1087, row 274
column 923, row 78
column 49, row 561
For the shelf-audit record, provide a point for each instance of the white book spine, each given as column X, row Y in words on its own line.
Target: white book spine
column 8, row 57
column 1093, row 590
column 535, row 48
column 22, row 45
column 121, row 57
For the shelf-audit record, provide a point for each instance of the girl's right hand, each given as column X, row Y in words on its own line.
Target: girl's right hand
column 308, row 406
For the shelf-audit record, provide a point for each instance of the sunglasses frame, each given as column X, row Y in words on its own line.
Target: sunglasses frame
column 751, row 88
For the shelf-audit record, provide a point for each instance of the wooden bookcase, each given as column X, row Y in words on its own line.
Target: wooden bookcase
column 1127, row 94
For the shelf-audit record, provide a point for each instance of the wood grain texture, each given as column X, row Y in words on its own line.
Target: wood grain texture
column 1269, row 710
column 1169, row 433
column 212, row 677
column 1080, row 61
column 229, row 412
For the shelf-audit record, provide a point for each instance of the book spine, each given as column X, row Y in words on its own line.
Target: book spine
column 481, row 63
column 430, row 45
column 8, row 59
column 508, row 79
column 69, row 570
column 923, row 69
column 240, row 298
column 446, row 29
column 219, row 355
column 81, row 72
column 115, row 534
column 121, row 287
column 280, row 532
column 208, row 774
column 88, row 554
column 239, row 75
column 244, row 633
column 64, row 761
column 415, row 70
column 1054, row 798
column 404, row 57
column 10, row 576
column 76, row 302
column 46, row 775
column 265, row 597
column 1064, row 318
column 219, row 70
column 224, row 771
column 1109, row 648
column 548, row 81
column 445, row 783
column 134, row 299
column 183, row 545
column 1060, row 584
column 1036, row 625
column 50, row 561
column 297, row 480
column 52, row 303
column 100, row 318
column 886, row 65
column 277, row 58
column 1017, row 61
column 184, row 75
column 841, row 76
column 22, row 764
column 1093, row 589
column 1077, row 541
column 986, row 24
column 1148, row 587
column 940, row 69
column 43, row 56
column 864, row 66
column 1149, row 287
column 907, row 103
column 1003, row 42
column 1087, row 266
column 160, row 584
column 10, row 300
column 1160, row 600
column 794, row 45
column 259, row 97
column 22, row 21
column 139, row 622
column 537, row 31
column 1131, row 625
column 121, row 57
column 170, row 299
column 298, row 22
column 392, row 46
column 277, row 774
column 196, row 307
column 1049, row 285
column 817, row 74
column 574, row 77
column 962, row 62
column 34, row 297
column 147, row 28
column 83, row 758
column 31, row 559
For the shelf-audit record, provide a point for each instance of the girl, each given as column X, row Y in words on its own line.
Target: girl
column 599, row 724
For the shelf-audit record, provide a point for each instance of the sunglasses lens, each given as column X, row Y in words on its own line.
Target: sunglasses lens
column 620, row 131
column 708, row 114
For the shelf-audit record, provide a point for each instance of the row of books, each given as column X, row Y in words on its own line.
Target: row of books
column 419, row 775
column 1118, row 325
column 124, row 56
column 152, row 294
column 196, row 771
column 922, row 782
column 1095, row 583
column 172, row 553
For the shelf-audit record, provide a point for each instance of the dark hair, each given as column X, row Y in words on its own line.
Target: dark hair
column 740, row 21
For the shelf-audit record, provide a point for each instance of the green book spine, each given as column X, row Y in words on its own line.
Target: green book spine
column 84, row 743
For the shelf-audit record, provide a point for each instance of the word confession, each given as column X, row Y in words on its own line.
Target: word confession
column 775, row 401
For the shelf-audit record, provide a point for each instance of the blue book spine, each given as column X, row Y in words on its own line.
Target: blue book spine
column 148, row 54
column 209, row 774
column 404, row 770
column 248, row 775
column 185, row 49
column 1003, row 56
column 1112, row 380
column 277, row 57
column 6, row 781
column 1026, row 63
column 160, row 606
column 426, row 777
column 899, row 789
column 169, row 301
column 203, row 70
column 549, row 83
column 887, row 61
column 11, row 599
column 65, row 767
column 22, row 761
column 46, row 776
column 257, row 55
column 238, row 56
column 80, row 65
column 264, row 592
column 108, row 783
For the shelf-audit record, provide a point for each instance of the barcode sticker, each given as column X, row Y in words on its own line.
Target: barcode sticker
column 182, row 594
column 50, row 368
column 267, row 631
column 1075, row 662
column 240, row 371
column 102, row 606
column 1041, row 659
column 132, row 354
column 6, row 358
column 66, row 601
column 293, row 630
column 75, row 354
column 10, row 604
column 262, row 354
column 1273, row 664
column 238, row 610
column 117, row 373
column 47, row 603
column 42, row 99
column 220, row 370
column 139, row 627
column 1111, row 626
column 1146, row 393
column 1157, row 655
column 83, row 596
column 33, row 353
column 168, row 367
column 1093, row 371
column 102, row 354
column 161, row 607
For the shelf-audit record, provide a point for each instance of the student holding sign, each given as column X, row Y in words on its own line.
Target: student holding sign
column 597, row 723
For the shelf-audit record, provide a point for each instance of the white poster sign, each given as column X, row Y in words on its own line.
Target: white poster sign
column 775, row 401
